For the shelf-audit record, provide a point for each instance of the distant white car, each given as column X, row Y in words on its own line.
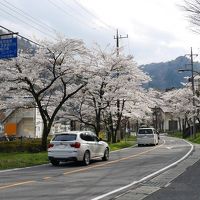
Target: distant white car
column 78, row 146
column 147, row 136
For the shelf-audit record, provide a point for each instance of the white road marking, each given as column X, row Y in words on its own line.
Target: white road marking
column 16, row 169
column 169, row 147
column 149, row 176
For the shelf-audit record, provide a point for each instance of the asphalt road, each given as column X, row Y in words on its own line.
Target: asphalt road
column 71, row 181
column 184, row 187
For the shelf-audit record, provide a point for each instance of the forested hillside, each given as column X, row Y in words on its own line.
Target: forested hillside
column 165, row 75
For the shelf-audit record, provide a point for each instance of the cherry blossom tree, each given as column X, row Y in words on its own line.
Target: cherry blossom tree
column 46, row 78
column 114, row 81
column 180, row 105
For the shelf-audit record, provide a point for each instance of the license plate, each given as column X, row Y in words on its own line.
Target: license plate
column 62, row 146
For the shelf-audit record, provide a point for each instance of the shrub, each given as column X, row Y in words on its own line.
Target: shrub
column 25, row 145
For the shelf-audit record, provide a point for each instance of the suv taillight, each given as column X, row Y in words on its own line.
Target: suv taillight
column 50, row 145
column 76, row 145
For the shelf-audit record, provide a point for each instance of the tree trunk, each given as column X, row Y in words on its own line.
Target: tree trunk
column 179, row 121
column 111, row 129
column 114, row 136
column 98, row 123
column 45, row 133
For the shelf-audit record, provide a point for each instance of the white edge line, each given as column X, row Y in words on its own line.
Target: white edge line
column 16, row 169
column 149, row 176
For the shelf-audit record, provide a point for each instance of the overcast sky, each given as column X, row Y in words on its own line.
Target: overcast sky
column 157, row 30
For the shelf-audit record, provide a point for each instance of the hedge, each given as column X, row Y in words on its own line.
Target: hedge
column 25, row 145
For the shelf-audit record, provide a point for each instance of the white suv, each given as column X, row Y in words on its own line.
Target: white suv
column 78, row 146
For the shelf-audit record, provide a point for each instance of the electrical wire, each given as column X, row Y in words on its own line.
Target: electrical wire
column 71, row 8
column 67, row 13
column 20, row 36
column 93, row 24
column 45, row 33
column 28, row 16
column 36, row 24
column 93, row 15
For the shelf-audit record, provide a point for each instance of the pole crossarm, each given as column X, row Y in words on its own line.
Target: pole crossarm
column 188, row 70
column 117, row 38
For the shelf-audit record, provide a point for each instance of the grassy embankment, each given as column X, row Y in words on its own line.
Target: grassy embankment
column 22, row 159
column 191, row 139
column 11, row 160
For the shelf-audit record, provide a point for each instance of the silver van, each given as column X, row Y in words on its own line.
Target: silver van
column 147, row 136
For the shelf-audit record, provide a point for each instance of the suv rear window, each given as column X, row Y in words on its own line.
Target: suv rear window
column 145, row 131
column 87, row 137
column 65, row 137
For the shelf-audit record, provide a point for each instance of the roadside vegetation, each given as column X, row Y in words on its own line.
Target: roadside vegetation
column 191, row 139
column 21, row 145
column 196, row 139
column 175, row 134
column 19, row 154
column 123, row 144
column 22, row 159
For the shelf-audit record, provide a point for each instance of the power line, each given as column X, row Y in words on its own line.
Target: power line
column 67, row 13
column 28, row 16
column 14, row 16
column 80, row 18
column 71, row 8
column 20, row 36
column 88, row 14
column 91, row 14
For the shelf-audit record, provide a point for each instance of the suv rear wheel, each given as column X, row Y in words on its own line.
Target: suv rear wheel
column 55, row 162
column 86, row 158
column 106, row 155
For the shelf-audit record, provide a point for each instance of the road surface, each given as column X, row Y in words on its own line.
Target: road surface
column 99, row 180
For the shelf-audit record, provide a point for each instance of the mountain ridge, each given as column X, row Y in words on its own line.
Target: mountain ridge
column 165, row 75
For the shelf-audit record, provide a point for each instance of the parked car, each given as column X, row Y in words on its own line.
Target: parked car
column 78, row 146
column 146, row 136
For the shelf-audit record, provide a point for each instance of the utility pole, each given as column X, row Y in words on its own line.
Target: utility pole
column 117, row 38
column 193, row 90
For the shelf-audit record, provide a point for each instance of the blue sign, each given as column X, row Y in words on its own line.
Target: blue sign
column 8, row 48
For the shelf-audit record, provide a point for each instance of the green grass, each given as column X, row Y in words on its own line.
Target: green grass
column 191, row 139
column 196, row 139
column 176, row 134
column 123, row 144
column 22, row 159
column 25, row 159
